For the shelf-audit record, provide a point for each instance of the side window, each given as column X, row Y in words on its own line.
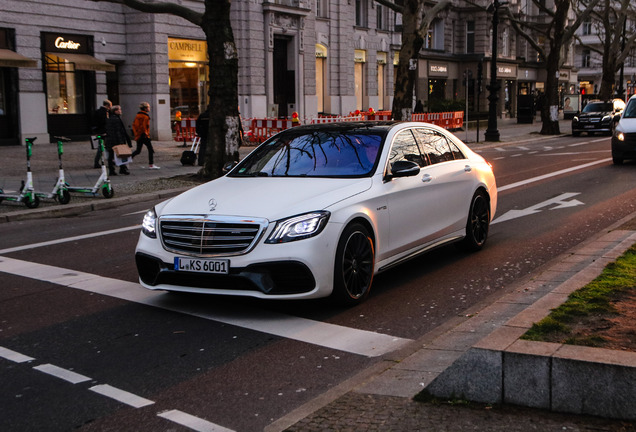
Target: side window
column 435, row 146
column 457, row 153
column 405, row 148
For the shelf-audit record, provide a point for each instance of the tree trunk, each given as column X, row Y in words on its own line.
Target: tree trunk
column 405, row 77
column 224, row 127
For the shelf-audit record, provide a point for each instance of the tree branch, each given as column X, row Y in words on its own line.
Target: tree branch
column 394, row 7
column 162, row 8
column 431, row 14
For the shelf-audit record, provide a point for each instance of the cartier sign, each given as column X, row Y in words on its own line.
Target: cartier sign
column 63, row 44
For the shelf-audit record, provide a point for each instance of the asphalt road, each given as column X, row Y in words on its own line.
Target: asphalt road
column 152, row 361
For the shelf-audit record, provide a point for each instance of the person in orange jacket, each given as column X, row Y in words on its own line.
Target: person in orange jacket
column 141, row 129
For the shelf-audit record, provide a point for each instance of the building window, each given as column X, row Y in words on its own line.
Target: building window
column 382, row 17
column 587, row 28
column 586, row 61
column 65, row 87
column 322, row 8
column 321, row 76
column 382, row 60
column 470, row 37
column 362, row 11
column 360, row 59
column 505, row 45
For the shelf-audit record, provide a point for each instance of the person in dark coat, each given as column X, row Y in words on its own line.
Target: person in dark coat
column 203, row 122
column 116, row 134
column 99, row 127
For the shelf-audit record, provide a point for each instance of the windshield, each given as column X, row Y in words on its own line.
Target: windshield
column 315, row 153
column 598, row 107
column 630, row 111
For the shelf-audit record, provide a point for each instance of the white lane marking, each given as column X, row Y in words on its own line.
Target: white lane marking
column 14, row 356
column 552, row 174
column 576, row 153
column 121, row 396
column 68, row 239
column 192, row 422
column 362, row 342
column 61, row 373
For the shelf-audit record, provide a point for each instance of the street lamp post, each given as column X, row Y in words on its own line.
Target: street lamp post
column 492, row 133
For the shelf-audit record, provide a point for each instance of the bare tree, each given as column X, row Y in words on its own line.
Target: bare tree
column 550, row 36
column 224, row 126
column 417, row 16
column 615, row 40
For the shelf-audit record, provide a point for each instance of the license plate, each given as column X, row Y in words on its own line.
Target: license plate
column 197, row 265
column 588, row 126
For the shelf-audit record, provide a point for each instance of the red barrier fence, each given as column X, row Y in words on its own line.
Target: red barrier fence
column 262, row 129
column 185, row 130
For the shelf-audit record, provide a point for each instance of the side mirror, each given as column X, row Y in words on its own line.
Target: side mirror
column 229, row 166
column 403, row 168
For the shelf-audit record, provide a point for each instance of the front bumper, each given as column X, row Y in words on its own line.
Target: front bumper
column 624, row 149
column 294, row 270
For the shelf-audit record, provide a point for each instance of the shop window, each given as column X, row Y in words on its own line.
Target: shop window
column 359, row 78
column 65, row 87
column 321, row 81
column 3, row 108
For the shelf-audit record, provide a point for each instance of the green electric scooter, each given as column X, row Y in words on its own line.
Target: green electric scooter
column 103, row 182
column 26, row 194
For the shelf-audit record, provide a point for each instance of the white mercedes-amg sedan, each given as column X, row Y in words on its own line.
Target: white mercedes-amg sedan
column 317, row 211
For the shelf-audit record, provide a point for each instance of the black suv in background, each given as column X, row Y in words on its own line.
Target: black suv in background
column 598, row 116
column 624, row 138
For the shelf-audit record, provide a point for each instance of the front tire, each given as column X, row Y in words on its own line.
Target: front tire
column 478, row 222
column 31, row 201
column 64, row 196
column 108, row 191
column 353, row 270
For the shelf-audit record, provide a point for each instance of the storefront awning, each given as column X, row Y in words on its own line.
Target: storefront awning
column 10, row 58
column 87, row 62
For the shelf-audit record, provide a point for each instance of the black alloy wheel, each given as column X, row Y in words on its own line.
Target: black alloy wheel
column 478, row 222
column 354, row 264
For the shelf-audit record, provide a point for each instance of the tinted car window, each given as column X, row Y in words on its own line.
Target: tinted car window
column 405, row 148
column 630, row 111
column 351, row 153
column 598, row 107
column 434, row 145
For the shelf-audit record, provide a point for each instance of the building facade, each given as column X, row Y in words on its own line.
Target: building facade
column 59, row 60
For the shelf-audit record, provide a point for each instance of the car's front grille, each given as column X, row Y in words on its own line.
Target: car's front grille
column 630, row 138
column 203, row 236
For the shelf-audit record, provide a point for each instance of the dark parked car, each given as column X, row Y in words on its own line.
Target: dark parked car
column 598, row 116
column 624, row 137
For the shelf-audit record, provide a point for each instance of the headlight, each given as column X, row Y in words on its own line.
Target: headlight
column 606, row 118
column 575, row 118
column 149, row 224
column 299, row 227
column 620, row 136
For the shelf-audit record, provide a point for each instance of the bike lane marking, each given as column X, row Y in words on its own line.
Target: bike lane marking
column 347, row 339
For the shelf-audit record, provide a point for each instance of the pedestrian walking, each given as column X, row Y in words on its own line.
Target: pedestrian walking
column 116, row 134
column 203, row 122
column 99, row 127
column 141, row 129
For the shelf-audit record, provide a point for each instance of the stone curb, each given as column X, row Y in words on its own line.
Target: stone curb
column 501, row 368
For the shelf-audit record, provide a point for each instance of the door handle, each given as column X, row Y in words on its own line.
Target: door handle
column 426, row 178
column 468, row 168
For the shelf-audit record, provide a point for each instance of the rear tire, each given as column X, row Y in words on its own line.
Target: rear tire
column 478, row 222
column 353, row 270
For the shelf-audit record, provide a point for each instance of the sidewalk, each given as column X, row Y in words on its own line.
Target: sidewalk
column 468, row 355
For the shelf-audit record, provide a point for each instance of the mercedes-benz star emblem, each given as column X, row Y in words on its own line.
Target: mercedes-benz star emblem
column 212, row 204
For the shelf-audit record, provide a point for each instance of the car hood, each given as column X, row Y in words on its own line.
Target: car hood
column 271, row 198
column 595, row 114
